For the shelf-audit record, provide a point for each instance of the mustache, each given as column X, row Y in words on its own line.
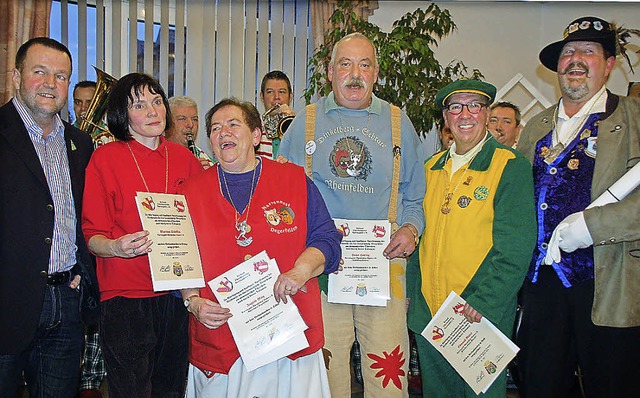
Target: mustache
column 573, row 65
column 354, row 81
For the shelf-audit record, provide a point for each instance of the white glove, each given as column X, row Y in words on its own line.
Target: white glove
column 575, row 235
column 571, row 234
column 553, row 250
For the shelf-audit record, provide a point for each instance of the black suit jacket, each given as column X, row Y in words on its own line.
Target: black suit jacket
column 26, row 229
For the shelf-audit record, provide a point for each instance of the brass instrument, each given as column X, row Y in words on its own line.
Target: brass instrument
column 275, row 122
column 91, row 120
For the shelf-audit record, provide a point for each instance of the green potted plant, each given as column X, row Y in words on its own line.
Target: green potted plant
column 410, row 75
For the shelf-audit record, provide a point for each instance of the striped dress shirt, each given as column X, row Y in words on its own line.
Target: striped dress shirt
column 52, row 153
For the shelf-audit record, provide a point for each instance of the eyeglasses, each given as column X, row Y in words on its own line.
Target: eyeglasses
column 472, row 107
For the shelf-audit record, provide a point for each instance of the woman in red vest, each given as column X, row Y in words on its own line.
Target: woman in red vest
column 240, row 207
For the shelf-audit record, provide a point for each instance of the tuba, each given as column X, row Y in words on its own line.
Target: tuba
column 275, row 123
column 91, row 120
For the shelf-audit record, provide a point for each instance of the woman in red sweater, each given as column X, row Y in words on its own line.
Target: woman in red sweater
column 144, row 333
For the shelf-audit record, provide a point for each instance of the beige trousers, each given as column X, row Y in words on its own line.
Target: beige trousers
column 383, row 338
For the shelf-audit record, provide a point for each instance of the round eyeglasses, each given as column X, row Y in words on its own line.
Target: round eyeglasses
column 472, row 107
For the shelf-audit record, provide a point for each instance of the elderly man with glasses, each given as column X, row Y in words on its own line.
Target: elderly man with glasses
column 479, row 234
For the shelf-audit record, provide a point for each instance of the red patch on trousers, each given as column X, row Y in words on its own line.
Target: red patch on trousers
column 390, row 366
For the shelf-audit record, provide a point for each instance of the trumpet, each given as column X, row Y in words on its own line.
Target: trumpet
column 275, row 122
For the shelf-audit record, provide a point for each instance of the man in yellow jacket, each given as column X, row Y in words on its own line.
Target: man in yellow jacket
column 479, row 235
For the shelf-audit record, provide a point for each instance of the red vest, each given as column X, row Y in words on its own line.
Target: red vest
column 278, row 220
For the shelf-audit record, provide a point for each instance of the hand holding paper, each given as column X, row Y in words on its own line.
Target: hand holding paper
column 209, row 313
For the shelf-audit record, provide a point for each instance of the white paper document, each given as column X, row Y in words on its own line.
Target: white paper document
column 263, row 329
column 174, row 258
column 478, row 351
column 364, row 278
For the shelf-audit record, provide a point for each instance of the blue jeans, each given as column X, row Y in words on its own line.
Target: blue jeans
column 51, row 362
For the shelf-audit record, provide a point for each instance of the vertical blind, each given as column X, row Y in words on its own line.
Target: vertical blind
column 205, row 49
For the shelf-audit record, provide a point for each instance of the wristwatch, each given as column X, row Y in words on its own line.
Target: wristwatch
column 187, row 301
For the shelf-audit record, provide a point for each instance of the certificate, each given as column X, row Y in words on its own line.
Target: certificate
column 263, row 329
column 364, row 278
column 477, row 351
column 175, row 258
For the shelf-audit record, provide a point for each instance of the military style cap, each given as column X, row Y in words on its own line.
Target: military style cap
column 465, row 86
column 582, row 29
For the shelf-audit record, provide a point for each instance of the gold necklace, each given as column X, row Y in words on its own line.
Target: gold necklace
column 444, row 208
column 559, row 147
column 166, row 169
column 243, row 226
column 355, row 160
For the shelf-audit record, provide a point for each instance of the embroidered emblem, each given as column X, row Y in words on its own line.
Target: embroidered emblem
column 350, row 158
column 177, row 269
column 463, row 201
column 286, row 215
column 573, row 164
column 592, row 147
column 280, row 216
column 544, row 151
column 272, row 217
column 481, row 193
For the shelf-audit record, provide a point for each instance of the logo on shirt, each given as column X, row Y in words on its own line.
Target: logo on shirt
column 280, row 216
column 350, row 158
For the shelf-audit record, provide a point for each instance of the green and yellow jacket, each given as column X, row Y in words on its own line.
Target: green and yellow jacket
column 481, row 248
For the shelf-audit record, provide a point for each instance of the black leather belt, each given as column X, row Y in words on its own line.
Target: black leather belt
column 60, row 278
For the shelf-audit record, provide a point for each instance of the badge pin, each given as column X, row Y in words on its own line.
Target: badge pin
column 310, row 147
column 585, row 133
column 468, row 181
column 573, row 164
column 481, row 193
column 544, row 151
column 592, row 147
column 464, row 201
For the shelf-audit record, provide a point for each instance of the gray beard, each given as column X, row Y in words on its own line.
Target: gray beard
column 574, row 93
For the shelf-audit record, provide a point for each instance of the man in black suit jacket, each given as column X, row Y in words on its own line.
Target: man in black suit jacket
column 46, row 274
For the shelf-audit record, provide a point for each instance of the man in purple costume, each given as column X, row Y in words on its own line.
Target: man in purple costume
column 581, row 306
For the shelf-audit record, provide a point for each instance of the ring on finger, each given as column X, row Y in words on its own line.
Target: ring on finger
column 288, row 288
column 134, row 250
column 404, row 253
